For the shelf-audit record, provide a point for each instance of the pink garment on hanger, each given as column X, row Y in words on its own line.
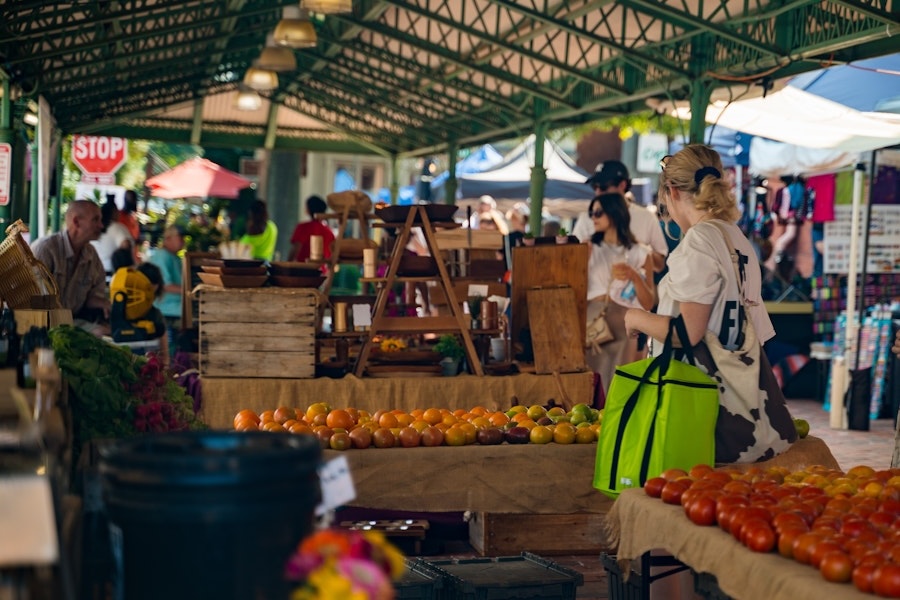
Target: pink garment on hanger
column 823, row 207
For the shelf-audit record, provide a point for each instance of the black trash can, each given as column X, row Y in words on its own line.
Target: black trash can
column 208, row 514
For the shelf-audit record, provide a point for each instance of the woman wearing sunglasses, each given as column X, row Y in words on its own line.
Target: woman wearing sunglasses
column 714, row 284
column 620, row 275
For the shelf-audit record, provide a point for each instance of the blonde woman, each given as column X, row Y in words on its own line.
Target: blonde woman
column 712, row 294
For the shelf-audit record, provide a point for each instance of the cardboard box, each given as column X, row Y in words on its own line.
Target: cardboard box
column 26, row 318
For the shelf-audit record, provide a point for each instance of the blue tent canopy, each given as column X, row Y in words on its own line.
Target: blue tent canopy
column 733, row 146
column 477, row 161
column 864, row 85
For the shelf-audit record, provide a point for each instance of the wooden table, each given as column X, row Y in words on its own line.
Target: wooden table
column 639, row 524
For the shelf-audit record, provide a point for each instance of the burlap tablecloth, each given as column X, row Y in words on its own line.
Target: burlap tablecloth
column 527, row 478
column 637, row 524
column 645, row 523
column 224, row 397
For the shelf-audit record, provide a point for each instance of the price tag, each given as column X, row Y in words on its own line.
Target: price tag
column 361, row 315
column 477, row 289
column 337, row 485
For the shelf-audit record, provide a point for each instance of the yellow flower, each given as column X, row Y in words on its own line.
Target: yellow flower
column 392, row 345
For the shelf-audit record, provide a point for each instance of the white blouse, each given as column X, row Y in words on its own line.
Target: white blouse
column 602, row 259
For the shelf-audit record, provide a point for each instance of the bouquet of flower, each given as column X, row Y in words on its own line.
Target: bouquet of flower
column 338, row 564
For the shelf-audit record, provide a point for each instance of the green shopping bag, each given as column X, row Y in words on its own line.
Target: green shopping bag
column 660, row 414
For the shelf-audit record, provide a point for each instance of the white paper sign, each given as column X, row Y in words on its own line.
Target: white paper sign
column 337, row 485
column 362, row 317
column 477, row 289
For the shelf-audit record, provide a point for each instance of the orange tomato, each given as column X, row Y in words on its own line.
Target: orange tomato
column 432, row 416
column 245, row 414
column 340, row 418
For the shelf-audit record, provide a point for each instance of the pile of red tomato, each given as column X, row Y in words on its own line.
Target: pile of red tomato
column 846, row 525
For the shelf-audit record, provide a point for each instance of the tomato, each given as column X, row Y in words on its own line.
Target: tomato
column 782, row 519
column 653, row 486
column 759, row 536
column 881, row 520
column 672, row 491
column 886, row 581
column 673, row 474
column 836, row 566
column 786, row 537
column 804, row 545
column 726, row 506
column 863, row 577
column 743, row 515
column 821, row 549
column 702, row 511
column 737, row 486
column 698, row 471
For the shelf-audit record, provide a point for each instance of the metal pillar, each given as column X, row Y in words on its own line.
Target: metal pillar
column 538, row 179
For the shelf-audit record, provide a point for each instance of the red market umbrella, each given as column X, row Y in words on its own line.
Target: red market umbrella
column 197, row 178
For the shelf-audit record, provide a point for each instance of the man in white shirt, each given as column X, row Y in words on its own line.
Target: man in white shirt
column 612, row 176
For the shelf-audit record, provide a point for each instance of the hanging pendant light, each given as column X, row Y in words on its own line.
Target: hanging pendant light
column 247, row 99
column 261, row 80
column 276, row 58
column 294, row 31
column 328, row 7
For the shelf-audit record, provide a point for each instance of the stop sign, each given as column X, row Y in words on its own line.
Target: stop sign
column 99, row 155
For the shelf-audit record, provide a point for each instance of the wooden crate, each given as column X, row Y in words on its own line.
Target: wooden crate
column 26, row 318
column 257, row 332
column 507, row 534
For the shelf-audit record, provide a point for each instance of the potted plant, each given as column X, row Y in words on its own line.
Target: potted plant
column 474, row 303
column 528, row 239
column 562, row 237
column 453, row 352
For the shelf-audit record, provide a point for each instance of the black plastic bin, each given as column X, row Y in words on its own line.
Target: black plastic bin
column 208, row 514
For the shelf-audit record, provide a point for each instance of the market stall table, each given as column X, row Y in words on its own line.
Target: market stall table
column 638, row 523
column 223, row 397
column 535, row 487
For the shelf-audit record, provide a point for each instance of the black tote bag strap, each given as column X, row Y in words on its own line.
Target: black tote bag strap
column 659, row 364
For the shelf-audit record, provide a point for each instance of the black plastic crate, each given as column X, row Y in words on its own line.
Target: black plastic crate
column 506, row 577
column 706, row 585
column 420, row 582
column 618, row 588
column 638, row 585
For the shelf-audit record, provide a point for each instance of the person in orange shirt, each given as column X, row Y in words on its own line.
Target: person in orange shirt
column 127, row 215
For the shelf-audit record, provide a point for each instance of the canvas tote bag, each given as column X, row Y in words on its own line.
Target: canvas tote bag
column 754, row 422
column 660, row 414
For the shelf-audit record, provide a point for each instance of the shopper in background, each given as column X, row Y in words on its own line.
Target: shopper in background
column 305, row 230
column 620, row 275
column 128, row 215
column 170, row 267
column 115, row 236
column 262, row 233
column 612, row 176
column 77, row 268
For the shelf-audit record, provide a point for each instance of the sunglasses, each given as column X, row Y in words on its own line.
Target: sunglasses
column 596, row 214
column 664, row 161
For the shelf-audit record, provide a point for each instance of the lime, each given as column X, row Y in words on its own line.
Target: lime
column 802, row 427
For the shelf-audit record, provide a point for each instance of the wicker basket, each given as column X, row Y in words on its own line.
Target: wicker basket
column 22, row 276
column 359, row 202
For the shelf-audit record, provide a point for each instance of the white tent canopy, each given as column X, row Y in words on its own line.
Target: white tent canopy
column 798, row 117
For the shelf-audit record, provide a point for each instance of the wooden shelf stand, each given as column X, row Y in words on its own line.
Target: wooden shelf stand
column 455, row 322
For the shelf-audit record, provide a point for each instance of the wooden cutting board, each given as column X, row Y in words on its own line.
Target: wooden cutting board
column 555, row 330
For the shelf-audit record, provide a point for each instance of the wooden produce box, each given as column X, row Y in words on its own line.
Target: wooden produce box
column 257, row 332
column 506, row 534
column 26, row 318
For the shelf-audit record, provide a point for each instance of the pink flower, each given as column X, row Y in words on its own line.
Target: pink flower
column 366, row 577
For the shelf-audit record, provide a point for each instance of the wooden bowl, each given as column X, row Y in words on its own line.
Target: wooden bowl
column 297, row 282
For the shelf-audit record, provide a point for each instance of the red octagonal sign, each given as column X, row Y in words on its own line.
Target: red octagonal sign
column 99, row 155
